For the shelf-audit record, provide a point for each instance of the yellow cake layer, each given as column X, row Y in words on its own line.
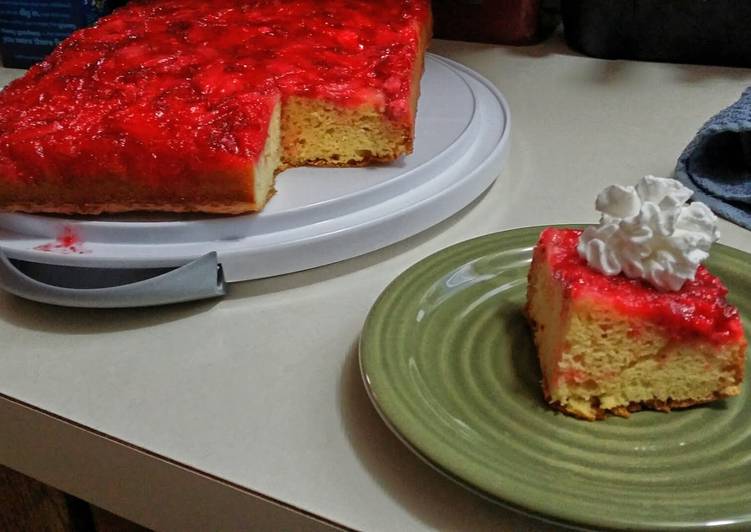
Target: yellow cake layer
column 321, row 133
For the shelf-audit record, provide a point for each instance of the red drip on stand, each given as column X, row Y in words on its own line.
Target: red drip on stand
column 68, row 241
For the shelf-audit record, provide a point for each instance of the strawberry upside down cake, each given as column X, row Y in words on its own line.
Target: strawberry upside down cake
column 624, row 315
column 189, row 105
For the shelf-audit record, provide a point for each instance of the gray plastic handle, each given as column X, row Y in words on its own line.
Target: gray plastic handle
column 200, row 279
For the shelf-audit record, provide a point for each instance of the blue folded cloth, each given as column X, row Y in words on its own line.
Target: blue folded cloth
column 717, row 163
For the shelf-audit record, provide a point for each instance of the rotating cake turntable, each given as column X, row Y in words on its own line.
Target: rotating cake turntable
column 318, row 216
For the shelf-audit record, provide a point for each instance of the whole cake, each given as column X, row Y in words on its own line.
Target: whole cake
column 188, row 105
column 624, row 317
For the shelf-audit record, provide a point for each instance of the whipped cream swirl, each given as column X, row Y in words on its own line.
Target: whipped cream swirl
column 649, row 232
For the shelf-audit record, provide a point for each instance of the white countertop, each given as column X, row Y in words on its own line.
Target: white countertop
column 261, row 391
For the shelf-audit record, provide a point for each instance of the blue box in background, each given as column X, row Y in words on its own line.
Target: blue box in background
column 30, row 29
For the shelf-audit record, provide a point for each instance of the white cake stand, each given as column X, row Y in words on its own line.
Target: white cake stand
column 318, row 216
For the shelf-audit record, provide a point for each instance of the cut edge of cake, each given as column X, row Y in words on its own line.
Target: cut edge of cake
column 579, row 340
column 322, row 133
column 269, row 163
column 319, row 133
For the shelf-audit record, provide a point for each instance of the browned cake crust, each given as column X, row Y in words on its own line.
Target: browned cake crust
column 99, row 208
column 660, row 406
column 72, row 202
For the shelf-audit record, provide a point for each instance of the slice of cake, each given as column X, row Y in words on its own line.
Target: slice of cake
column 614, row 343
column 187, row 105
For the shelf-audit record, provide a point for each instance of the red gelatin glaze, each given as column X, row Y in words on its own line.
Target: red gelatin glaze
column 699, row 310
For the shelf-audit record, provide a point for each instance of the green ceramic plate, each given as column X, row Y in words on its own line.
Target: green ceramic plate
column 448, row 361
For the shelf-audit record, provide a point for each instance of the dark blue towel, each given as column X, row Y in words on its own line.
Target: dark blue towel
column 717, row 163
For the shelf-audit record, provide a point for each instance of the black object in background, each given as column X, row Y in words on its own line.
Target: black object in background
column 679, row 31
column 495, row 21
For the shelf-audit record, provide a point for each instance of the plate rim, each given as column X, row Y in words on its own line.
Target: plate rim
column 530, row 234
